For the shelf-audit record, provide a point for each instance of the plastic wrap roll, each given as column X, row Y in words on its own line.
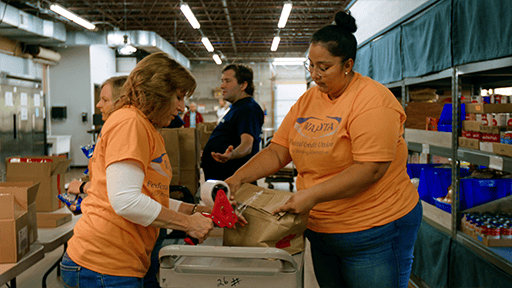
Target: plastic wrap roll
column 209, row 191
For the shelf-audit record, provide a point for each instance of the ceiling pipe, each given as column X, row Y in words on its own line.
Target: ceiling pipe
column 229, row 24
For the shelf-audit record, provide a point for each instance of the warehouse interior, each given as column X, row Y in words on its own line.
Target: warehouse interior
column 448, row 62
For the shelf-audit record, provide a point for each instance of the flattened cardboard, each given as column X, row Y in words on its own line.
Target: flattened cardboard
column 284, row 231
column 52, row 220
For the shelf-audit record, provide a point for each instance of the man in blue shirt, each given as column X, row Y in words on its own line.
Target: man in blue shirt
column 237, row 137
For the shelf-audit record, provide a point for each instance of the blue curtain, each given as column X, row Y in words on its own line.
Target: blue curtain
column 482, row 30
column 426, row 43
column 386, row 57
column 363, row 63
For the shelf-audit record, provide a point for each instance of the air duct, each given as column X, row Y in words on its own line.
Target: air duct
column 18, row 25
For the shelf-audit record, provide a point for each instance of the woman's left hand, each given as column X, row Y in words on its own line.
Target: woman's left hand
column 300, row 203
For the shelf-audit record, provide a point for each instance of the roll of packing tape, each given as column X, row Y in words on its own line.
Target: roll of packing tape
column 210, row 189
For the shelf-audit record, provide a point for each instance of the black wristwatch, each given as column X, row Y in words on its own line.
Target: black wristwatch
column 82, row 187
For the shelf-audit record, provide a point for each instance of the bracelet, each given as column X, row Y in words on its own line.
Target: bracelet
column 194, row 209
column 82, row 187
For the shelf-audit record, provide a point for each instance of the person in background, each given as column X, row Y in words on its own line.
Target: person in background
column 345, row 138
column 109, row 93
column 192, row 117
column 128, row 198
column 223, row 109
column 237, row 137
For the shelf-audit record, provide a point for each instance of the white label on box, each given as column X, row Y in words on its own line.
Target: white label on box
column 8, row 99
column 496, row 162
column 23, row 99
column 486, row 146
column 23, row 238
column 425, row 148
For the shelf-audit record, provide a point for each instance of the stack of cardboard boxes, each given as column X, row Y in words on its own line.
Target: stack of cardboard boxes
column 18, row 220
column 30, row 192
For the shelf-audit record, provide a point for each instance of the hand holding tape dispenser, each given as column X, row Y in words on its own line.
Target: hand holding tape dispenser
column 216, row 193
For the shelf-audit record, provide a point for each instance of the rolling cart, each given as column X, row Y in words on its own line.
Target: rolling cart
column 225, row 266
column 286, row 174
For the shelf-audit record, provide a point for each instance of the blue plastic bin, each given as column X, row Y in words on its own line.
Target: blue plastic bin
column 414, row 170
column 446, row 114
column 434, row 182
column 443, row 206
column 475, row 192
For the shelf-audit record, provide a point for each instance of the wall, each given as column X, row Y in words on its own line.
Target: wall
column 70, row 85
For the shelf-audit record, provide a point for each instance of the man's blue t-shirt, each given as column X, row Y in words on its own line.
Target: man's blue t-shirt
column 245, row 116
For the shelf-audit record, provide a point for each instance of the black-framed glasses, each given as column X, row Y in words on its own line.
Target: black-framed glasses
column 319, row 71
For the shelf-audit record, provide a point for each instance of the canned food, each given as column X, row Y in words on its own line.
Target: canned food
column 506, row 231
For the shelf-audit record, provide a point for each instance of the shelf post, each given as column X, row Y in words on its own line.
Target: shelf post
column 455, row 147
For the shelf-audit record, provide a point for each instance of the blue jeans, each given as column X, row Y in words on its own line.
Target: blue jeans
column 76, row 276
column 377, row 257
column 150, row 280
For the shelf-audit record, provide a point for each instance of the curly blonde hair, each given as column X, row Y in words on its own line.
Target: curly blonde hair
column 152, row 86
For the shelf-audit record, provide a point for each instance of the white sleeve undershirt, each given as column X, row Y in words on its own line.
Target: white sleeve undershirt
column 124, row 186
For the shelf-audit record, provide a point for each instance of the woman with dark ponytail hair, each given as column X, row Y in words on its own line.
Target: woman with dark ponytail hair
column 344, row 135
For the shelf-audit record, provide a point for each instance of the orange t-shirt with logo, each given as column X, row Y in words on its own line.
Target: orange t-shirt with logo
column 324, row 137
column 103, row 241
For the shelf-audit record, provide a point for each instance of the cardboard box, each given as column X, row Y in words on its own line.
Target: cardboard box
column 14, row 242
column 283, row 230
column 205, row 130
column 436, row 138
column 469, row 125
column 469, row 143
column 417, row 113
column 502, row 149
column 172, row 146
column 479, row 108
column 190, row 149
column 183, row 147
column 437, row 215
column 501, row 205
column 25, row 194
column 50, row 174
column 9, row 206
column 52, row 220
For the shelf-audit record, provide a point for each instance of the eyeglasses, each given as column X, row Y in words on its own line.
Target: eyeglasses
column 319, row 71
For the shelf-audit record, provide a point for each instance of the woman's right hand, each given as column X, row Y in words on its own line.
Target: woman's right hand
column 74, row 187
column 199, row 227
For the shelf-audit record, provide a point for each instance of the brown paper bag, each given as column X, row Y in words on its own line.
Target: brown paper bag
column 284, row 230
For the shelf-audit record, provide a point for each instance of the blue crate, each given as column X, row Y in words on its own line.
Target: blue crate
column 475, row 192
column 447, row 207
column 434, row 182
column 446, row 114
column 414, row 170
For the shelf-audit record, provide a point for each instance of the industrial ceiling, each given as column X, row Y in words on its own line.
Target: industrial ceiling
column 238, row 29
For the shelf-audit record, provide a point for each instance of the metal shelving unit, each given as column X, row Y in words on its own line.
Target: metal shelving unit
column 480, row 75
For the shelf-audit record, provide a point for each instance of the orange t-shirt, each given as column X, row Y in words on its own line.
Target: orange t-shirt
column 326, row 136
column 103, row 241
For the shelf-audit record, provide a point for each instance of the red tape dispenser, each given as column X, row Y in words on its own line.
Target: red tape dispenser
column 223, row 215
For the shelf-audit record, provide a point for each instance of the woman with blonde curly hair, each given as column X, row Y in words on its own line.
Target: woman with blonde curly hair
column 128, row 198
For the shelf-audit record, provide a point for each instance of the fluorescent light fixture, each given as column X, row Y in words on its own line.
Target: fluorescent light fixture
column 289, row 61
column 216, row 58
column 207, row 44
column 127, row 49
column 72, row 16
column 190, row 16
column 275, row 43
column 287, row 8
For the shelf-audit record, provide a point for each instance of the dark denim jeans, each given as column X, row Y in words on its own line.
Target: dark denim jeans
column 377, row 257
column 76, row 276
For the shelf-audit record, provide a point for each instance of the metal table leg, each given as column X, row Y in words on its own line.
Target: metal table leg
column 55, row 265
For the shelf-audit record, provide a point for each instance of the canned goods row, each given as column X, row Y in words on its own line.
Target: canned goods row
column 492, row 99
column 506, row 137
column 491, row 119
column 490, row 225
